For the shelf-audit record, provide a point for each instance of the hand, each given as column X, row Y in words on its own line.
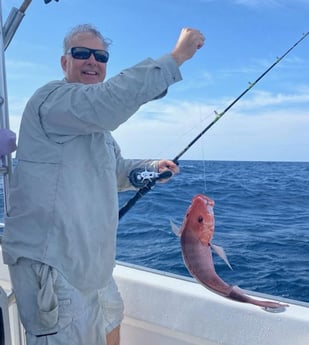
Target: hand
column 7, row 141
column 188, row 42
column 167, row 165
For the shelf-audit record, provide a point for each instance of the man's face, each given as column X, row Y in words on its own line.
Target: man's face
column 87, row 71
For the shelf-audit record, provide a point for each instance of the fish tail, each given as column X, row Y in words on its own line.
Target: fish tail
column 237, row 294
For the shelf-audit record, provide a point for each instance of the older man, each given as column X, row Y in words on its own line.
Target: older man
column 60, row 234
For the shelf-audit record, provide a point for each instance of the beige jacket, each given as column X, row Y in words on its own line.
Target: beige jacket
column 63, row 202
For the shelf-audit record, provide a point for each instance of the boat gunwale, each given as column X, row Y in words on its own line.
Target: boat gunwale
column 193, row 280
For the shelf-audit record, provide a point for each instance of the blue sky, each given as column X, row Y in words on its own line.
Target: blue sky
column 243, row 38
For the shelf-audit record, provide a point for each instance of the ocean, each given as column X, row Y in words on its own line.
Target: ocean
column 262, row 222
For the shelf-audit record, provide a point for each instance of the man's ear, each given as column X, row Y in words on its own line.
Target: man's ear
column 64, row 62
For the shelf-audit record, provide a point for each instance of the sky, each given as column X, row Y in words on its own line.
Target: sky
column 243, row 38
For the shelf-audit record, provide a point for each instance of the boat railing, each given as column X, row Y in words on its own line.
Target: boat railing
column 4, row 113
column 5, row 331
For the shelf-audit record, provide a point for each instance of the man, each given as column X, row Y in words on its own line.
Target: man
column 59, row 240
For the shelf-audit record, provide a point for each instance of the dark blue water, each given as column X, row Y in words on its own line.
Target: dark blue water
column 262, row 221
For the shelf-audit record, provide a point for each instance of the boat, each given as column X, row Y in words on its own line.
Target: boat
column 167, row 309
column 162, row 308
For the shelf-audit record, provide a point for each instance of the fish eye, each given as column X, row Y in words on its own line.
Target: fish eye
column 200, row 219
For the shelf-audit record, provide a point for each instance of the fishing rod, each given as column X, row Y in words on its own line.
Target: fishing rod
column 141, row 178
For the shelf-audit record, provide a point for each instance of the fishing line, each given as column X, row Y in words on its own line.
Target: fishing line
column 189, row 132
column 151, row 182
column 204, row 169
column 203, row 156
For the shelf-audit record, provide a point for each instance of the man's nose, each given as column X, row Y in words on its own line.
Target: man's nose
column 92, row 58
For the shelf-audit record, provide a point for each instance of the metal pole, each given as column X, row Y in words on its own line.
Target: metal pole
column 13, row 21
column 4, row 114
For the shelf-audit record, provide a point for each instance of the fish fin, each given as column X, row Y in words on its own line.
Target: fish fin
column 175, row 228
column 220, row 251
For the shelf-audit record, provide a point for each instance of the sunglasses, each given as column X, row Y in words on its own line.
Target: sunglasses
column 82, row 53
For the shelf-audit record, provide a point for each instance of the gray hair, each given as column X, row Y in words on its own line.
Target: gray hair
column 67, row 42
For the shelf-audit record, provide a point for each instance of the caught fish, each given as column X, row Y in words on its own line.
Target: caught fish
column 195, row 235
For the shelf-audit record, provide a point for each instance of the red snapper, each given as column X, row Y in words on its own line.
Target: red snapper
column 196, row 234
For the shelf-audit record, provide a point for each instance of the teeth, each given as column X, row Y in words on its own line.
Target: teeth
column 91, row 73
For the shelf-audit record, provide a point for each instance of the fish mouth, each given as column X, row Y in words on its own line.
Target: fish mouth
column 204, row 199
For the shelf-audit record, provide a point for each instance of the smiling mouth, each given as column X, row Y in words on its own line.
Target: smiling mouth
column 90, row 73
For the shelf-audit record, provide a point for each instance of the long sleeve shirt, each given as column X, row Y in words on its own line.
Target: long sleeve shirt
column 63, row 200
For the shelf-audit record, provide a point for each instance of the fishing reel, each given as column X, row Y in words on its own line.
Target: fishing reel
column 143, row 177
